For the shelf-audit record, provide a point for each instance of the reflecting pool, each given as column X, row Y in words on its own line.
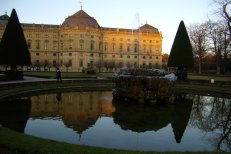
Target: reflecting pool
column 194, row 123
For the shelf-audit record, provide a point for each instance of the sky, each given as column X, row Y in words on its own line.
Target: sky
column 162, row 14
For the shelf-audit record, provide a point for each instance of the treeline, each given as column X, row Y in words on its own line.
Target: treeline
column 211, row 40
column 211, row 47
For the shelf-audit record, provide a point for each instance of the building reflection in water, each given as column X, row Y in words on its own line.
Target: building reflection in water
column 79, row 110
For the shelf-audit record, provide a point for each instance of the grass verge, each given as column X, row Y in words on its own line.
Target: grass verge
column 15, row 142
column 68, row 75
column 220, row 78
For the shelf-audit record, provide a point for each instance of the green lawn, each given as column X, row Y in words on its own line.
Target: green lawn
column 209, row 77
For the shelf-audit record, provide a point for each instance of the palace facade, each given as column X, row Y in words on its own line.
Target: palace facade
column 80, row 43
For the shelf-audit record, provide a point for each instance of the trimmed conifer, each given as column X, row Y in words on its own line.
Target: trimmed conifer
column 181, row 55
column 13, row 46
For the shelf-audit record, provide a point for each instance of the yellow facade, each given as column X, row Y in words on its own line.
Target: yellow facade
column 79, row 43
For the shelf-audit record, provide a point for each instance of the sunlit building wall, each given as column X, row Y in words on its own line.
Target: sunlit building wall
column 80, row 43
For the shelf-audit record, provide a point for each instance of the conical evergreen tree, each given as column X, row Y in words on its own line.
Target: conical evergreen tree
column 13, row 46
column 181, row 55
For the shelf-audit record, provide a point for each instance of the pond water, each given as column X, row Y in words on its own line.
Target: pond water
column 194, row 123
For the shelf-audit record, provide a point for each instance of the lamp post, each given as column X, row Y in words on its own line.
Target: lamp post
column 58, row 46
column 139, row 47
column 102, row 51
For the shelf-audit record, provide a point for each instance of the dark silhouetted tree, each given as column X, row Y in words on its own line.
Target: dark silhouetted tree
column 181, row 55
column 13, row 47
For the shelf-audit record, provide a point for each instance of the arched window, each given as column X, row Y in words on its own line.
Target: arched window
column 46, row 42
column 150, row 49
column 92, row 45
column 113, row 46
column 61, row 44
column 128, row 48
column 55, row 42
column 144, row 48
column 105, row 46
column 29, row 44
column 121, row 47
column 100, row 46
column 70, row 44
column 37, row 44
column 81, row 44
column 157, row 50
column 135, row 47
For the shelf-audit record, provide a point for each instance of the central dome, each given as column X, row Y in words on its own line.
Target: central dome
column 149, row 29
column 81, row 19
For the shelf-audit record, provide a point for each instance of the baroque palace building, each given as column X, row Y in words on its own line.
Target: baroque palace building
column 80, row 43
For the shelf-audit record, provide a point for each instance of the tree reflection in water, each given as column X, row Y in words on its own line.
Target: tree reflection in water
column 148, row 117
column 213, row 114
column 15, row 113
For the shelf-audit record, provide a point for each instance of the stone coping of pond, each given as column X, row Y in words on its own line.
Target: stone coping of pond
column 107, row 84
column 50, row 81
column 54, row 85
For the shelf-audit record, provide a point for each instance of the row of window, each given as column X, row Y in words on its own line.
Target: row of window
column 55, row 44
column 92, row 46
column 129, row 47
column 47, row 63
column 134, row 40
column 39, row 36
column 129, row 56
column 54, row 63
column 55, row 36
column 107, row 56
column 56, row 54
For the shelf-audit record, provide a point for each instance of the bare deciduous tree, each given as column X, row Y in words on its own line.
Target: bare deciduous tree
column 222, row 10
column 98, row 64
column 199, row 41
column 216, row 36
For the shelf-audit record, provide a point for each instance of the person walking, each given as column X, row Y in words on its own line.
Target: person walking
column 58, row 75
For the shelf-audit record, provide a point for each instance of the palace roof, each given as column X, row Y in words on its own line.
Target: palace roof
column 81, row 19
column 4, row 19
column 148, row 29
